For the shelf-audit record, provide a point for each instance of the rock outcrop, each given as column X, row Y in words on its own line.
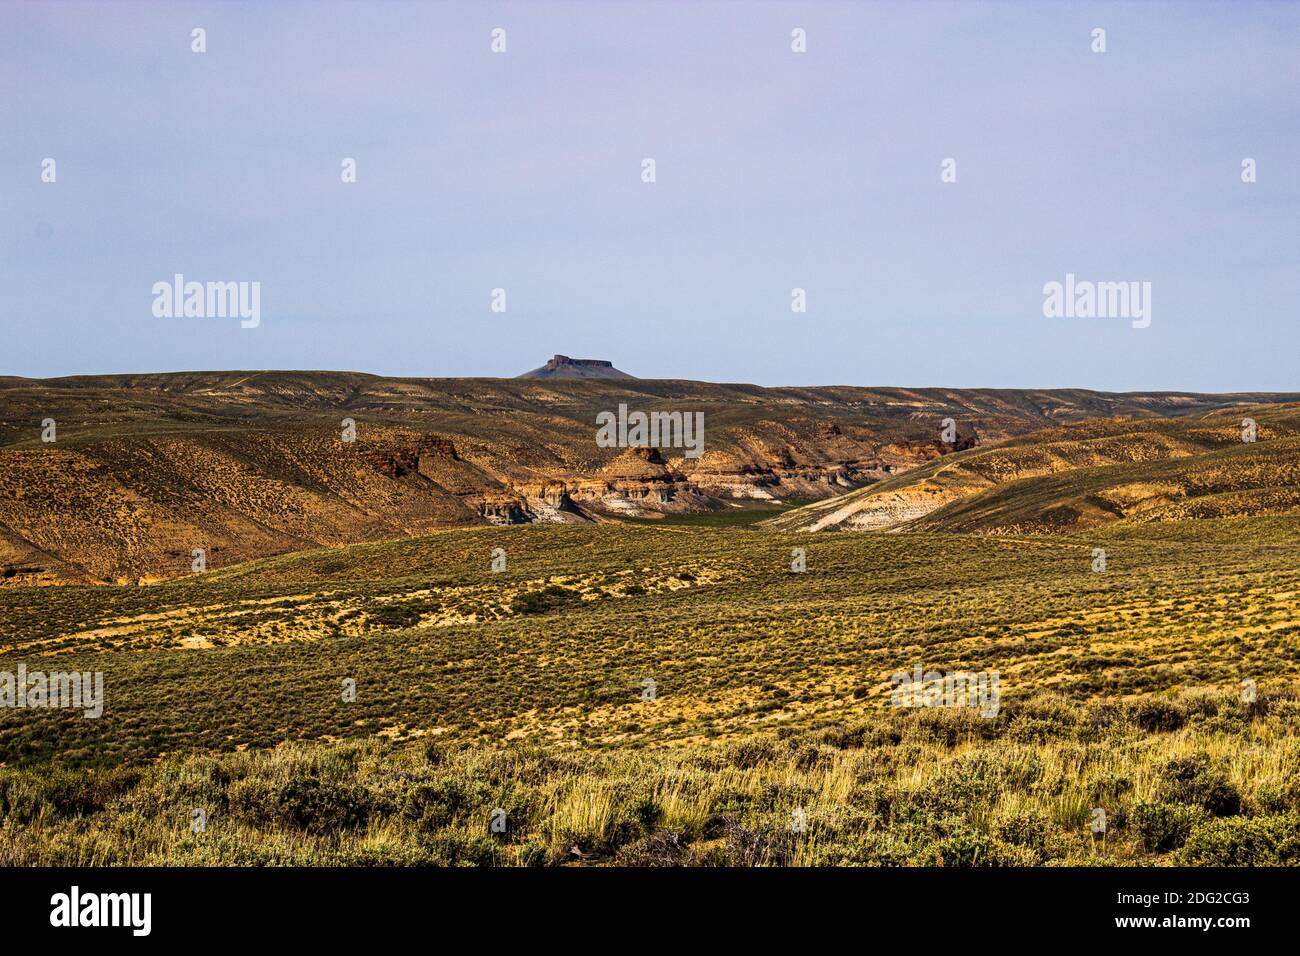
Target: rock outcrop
column 561, row 366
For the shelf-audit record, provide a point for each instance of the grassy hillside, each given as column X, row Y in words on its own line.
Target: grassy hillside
column 1082, row 476
column 557, row 648
column 524, row 690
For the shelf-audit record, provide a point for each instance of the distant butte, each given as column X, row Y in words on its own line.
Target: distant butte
column 561, row 366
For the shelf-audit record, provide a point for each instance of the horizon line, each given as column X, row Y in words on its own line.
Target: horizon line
column 632, row 379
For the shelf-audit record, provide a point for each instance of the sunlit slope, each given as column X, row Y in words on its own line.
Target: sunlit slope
column 147, row 468
column 556, row 647
column 1085, row 475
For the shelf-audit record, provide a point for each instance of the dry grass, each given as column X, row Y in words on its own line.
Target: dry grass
column 904, row 788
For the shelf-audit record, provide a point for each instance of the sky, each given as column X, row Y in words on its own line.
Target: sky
column 774, row 170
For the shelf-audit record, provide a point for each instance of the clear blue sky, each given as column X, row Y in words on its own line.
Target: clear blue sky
column 775, row 170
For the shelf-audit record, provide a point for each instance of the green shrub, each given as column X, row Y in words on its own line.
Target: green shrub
column 1040, row 719
column 436, row 803
column 1195, row 780
column 1027, row 828
column 457, row 848
column 875, row 848
column 1162, row 827
column 395, row 615
column 1244, row 841
column 751, row 753
column 62, row 793
column 304, row 803
column 1158, row 715
column 646, row 811
column 968, row 848
column 547, row 599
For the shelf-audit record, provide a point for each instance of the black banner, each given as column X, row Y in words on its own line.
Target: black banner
column 333, row 905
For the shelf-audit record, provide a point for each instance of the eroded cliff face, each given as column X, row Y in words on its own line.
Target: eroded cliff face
column 645, row 482
column 129, row 509
column 649, row 482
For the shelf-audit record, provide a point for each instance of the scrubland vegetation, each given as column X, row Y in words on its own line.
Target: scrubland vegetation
column 1198, row 779
column 523, row 691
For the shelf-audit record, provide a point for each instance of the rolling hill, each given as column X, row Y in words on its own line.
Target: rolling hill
column 144, row 469
column 1084, row 475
